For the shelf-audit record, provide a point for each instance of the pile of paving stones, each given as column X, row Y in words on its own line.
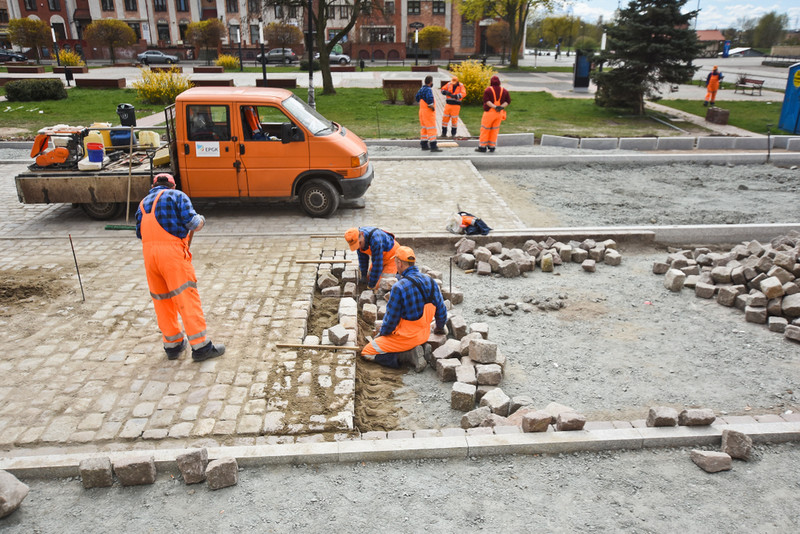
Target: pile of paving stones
column 760, row 280
column 12, row 493
column 494, row 258
column 527, row 305
column 99, row 472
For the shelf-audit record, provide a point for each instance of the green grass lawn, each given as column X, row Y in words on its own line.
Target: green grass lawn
column 753, row 116
column 368, row 113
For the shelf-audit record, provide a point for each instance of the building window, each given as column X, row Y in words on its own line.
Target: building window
column 182, row 31
column 438, row 7
column 163, row 33
column 379, row 35
column 107, row 5
column 158, row 5
column 292, row 12
column 137, row 29
column 253, row 6
column 232, row 6
column 331, row 12
column 30, row 5
column 413, row 7
column 55, row 5
column 131, row 5
column 182, row 5
column 58, row 28
column 278, row 12
column 3, row 15
column 388, row 8
column 254, row 39
column 344, row 11
column 467, row 34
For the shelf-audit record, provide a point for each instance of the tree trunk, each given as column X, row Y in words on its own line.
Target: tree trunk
column 113, row 57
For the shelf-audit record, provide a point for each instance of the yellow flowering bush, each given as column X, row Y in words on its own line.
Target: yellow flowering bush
column 68, row 58
column 228, row 62
column 161, row 87
column 475, row 77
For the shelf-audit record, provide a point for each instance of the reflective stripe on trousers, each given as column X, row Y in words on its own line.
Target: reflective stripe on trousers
column 406, row 336
column 427, row 122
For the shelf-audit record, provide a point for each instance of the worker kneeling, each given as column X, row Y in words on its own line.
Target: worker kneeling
column 414, row 302
column 378, row 245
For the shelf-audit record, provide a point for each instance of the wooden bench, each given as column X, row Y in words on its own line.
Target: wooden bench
column 214, row 82
column 166, row 69
column 74, row 69
column 749, row 84
column 425, row 68
column 118, row 83
column 399, row 83
column 208, row 69
column 5, row 79
column 344, row 68
column 284, row 83
column 25, row 69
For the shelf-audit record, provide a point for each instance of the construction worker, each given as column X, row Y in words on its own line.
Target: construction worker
column 712, row 86
column 495, row 101
column 427, row 116
column 378, row 245
column 414, row 302
column 165, row 222
column 454, row 93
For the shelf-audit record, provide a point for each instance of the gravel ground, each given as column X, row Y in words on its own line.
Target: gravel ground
column 651, row 491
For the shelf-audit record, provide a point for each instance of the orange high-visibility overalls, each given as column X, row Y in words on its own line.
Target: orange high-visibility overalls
column 490, row 123
column 172, row 282
column 406, row 336
column 389, row 266
column 427, row 123
column 452, row 110
column 712, row 86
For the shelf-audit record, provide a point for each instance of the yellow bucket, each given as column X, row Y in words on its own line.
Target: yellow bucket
column 105, row 133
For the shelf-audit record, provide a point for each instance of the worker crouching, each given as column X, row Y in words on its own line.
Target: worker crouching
column 376, row 245
column 165, row 222
column 414, row 302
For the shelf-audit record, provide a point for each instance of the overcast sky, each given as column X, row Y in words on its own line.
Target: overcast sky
column 714, row 14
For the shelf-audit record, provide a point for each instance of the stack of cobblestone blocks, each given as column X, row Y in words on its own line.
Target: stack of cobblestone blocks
column 494, row 258
column 760, row 280
column 99, row 472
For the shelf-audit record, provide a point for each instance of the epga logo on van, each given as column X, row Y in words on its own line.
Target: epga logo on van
column 207, row 150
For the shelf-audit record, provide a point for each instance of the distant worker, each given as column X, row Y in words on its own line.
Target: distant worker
column 165, row 222
column 495, row 101
column 427, row 116
column 414, row 302
column 712, row 85
column 454, row 93
column 378, row 245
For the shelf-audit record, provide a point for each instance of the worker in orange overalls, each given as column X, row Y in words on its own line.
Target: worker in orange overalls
column 495, row 101
column 427, row 116
column 415, row 301
column 454, row 93
column 165, row 222
column 712, row 86
column 378, row 245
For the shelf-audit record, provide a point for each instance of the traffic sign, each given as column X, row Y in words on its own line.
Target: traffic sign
column 416, row 25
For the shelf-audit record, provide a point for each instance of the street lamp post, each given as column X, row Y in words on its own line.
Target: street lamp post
column 311, row 97
column 239, row 40
column 55, row 46
column 263, row 54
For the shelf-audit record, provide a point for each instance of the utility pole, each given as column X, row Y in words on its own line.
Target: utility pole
column 311, row 97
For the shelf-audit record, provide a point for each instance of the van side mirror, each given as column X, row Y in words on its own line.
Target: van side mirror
column 289, row 133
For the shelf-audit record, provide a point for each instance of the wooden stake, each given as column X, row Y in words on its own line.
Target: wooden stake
column 323, row 236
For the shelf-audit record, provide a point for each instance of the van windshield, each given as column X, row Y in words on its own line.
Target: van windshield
column 308, row 116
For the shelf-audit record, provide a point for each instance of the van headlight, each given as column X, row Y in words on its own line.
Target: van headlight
column 358, row 161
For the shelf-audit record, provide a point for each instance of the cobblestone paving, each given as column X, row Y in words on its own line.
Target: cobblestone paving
column 93, row 375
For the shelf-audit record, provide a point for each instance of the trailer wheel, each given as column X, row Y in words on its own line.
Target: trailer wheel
column 319, row 198
column 103, row 211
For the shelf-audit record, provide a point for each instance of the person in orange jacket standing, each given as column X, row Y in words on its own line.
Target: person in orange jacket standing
column 454, row 93
column 165, row 222
column 712, row 85
column 495, row 101
column 427, row 116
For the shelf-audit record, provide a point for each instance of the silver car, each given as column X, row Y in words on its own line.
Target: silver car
column 156, row 56
column 334, row 58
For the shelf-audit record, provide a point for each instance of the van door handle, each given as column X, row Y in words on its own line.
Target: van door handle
column 186, row 148
column 241, row 148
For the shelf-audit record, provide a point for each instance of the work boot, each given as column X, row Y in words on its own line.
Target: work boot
column 435, row 148
column 453, row 132
column 705, row 103
column 175, row 352
column 491, row 149
column 208, row 352
column 424, row 145
column 444, row 131
column 414, row 358
column 480, row 149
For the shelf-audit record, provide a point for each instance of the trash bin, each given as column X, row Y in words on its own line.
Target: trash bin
column 127, row 115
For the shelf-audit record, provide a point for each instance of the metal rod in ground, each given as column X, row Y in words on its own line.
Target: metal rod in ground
column 451, row 275
column 83, row 296
column 323, row 261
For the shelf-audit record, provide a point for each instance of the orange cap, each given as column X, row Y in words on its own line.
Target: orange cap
column 405, row 254
column 715, row 67
column 351, row 236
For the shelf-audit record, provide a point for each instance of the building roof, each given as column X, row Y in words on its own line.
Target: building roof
column 709, row 35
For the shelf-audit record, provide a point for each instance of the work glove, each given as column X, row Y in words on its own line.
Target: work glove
column 431, row 106
column 440, row 331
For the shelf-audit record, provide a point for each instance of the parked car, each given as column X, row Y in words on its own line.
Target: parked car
column 279, row 55
column 10, row 55
column 156, row 56
column 334, row 58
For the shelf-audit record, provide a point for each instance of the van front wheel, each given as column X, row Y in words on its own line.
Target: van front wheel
column 319, row 198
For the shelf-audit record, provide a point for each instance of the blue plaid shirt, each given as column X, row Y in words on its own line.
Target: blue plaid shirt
column 425, row 93
column 377, row 243
column 174, row 212
column 406, row 301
